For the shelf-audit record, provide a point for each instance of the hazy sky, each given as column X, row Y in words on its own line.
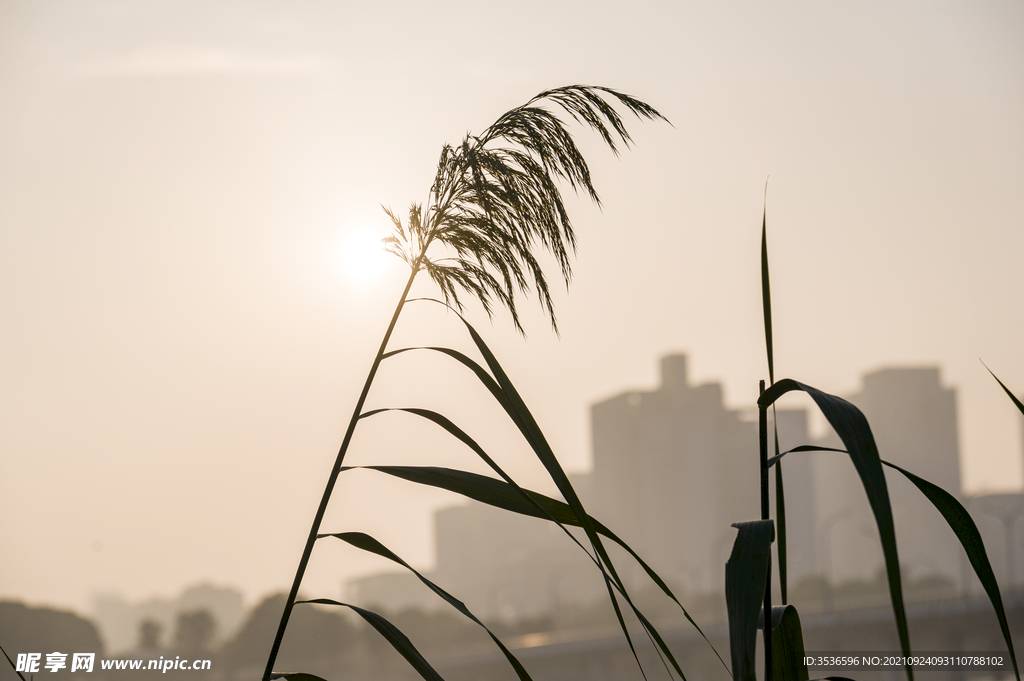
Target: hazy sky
column 181, row 348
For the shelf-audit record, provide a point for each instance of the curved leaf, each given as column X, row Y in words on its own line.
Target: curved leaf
column 766, row 293
column 297, row 676
column 746, row 575
column 853, row 429
column 1013, row 397
column 787, row 644
column 371, row 545
column 394, row 636
column 13, row 666
column 960, row 521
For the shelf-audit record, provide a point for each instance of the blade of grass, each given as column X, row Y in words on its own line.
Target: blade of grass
column 392, row 634
column 766, row 303
column 746, row 574
column 853, row 429
column 367, row 543
column 960, row 521
column 766, row 294
column 13, row 666
column 1006, row 390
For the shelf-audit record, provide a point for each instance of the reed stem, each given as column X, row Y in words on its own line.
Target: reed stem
column 762, row 423
column 332, row 479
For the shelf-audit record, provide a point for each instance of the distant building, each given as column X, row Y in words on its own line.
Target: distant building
column 673, row 469
column 119, row 621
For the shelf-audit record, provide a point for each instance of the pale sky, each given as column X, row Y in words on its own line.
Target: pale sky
column 181, row 348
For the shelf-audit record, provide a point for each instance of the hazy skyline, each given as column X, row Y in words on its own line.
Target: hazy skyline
column 181, row 348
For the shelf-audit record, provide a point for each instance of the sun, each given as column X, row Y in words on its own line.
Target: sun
column 360, row 256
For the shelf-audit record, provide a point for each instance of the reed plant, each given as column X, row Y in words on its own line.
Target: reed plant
column 495, row 204
column 748, row 572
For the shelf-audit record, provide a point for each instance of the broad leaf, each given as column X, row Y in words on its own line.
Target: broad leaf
column 787, row 644
column 746, row 575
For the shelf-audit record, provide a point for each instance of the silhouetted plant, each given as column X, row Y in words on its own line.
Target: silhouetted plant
column 748, row 572
column 495, row 202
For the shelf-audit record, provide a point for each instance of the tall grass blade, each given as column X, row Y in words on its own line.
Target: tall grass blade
column 787, row 644
column 371, row 545
column 746, row 574
column 13, row 666
column 297, row 676
column 853, row 429
column 960, row 521
column 394, row 636
column 1006, row 390
column 766, row 296
column 766, row 303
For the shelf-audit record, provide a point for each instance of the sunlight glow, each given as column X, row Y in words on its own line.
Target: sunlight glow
column 360, row 256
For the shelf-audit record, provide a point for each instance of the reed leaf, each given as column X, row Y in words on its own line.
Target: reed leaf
column 1013, row 397
column 297, row 676
column 766, row 296
column 367, row 543
column 963, row 526
column 787, row 644
column 11, row 662
column 780, row 495
column 746, row 575
column 392, row 634
column 853, row 429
